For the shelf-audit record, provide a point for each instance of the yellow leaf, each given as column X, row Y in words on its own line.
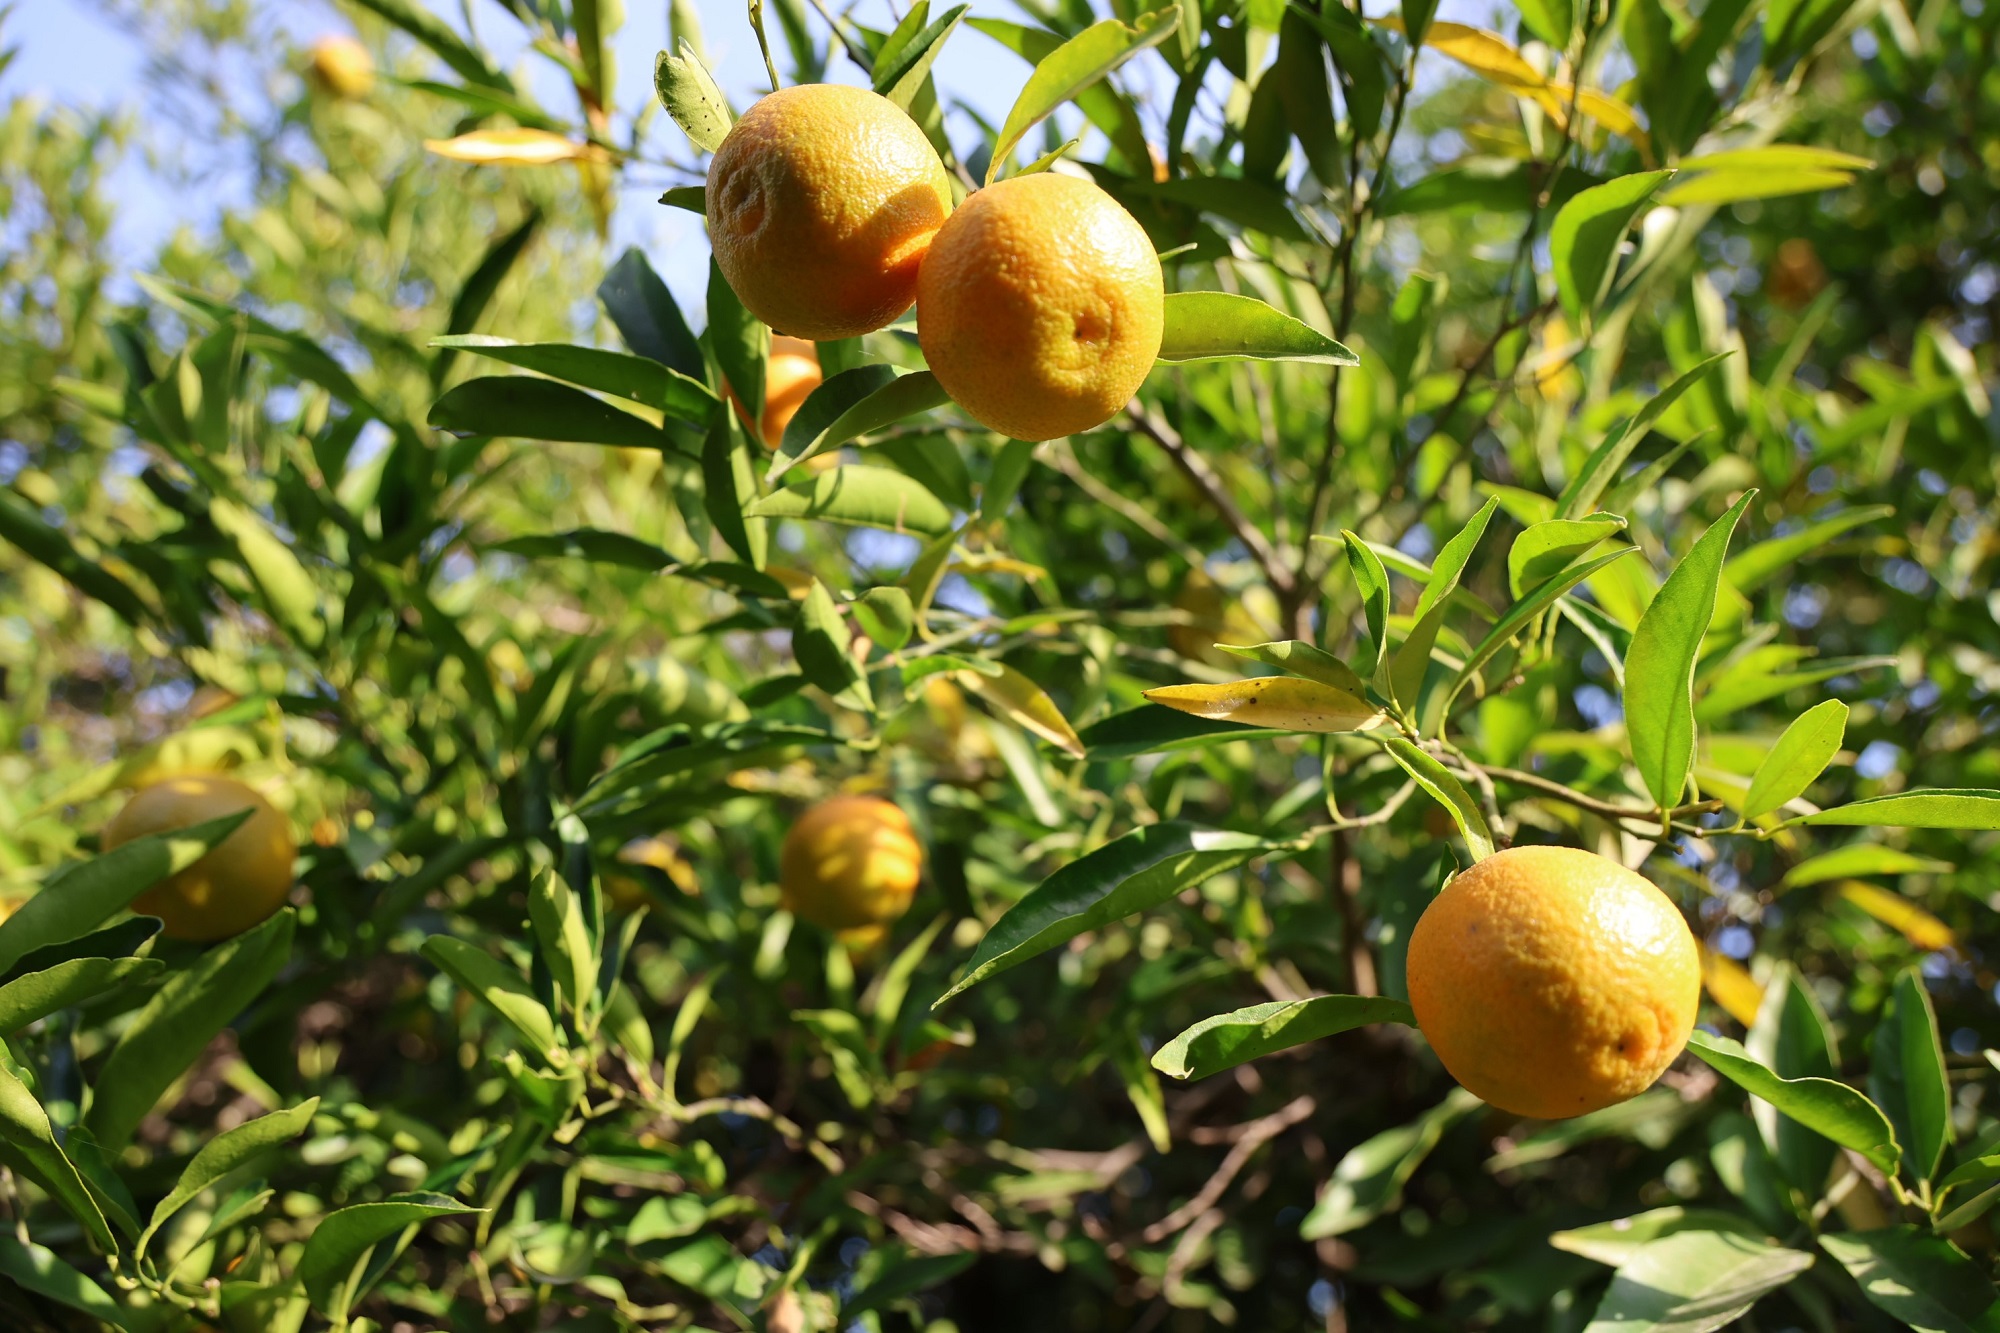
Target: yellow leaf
column 1731, row 986
column 1284, row 702
column 1898, row 913
column 1024, row 703
column 1497, row 60
column 514, row 148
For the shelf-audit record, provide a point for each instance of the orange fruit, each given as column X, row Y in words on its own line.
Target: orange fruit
column 822, row 201
column 242, row 880
column 850, row 863
column 790, row 376
column 342, row 66
column 1040, row 307
column 1551, row 981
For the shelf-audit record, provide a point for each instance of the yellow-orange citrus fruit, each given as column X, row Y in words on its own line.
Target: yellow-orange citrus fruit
column 242, row 880
column 342, row 66
column 821, row 203
column 1551, row 981
column 790, row 376
column 1040, row 307
column 850, row 862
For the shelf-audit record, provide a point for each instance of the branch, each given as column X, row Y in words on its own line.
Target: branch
column 1569, row 796
column 1249, row 1137
column 1216, row 493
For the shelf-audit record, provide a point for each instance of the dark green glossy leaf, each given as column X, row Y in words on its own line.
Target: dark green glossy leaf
column 523, row 407
column 1235, row 1038
column 1924, row 1281
column 1906, row 1075
column 1826, row 1107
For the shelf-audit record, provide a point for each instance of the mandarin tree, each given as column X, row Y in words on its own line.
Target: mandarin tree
column 1349, row 686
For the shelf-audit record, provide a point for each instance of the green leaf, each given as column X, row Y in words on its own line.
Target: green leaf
column 1407, row 669
column 289, row 594
column 851, row 404
column 1369, row 1180
column 1300, row 658
column 1925, row 1281
column 1694, row 1281
column 1134, row 873
column 887, row 615
column 556, row 913
column 178, row 1023
column 899, row 78
column 53, row 548
column 861, row 496
column 476, row 293
column 903, row 1277
column 1612, row 1243
column 1828, row 1108
column 1584, row 238
column 1736, row 690
column 1791, row 1036
column 1758, row 565
column 604, row 548
column 1207, row 326
column 692, row 198
column 1545, row 549
column 500, row 986
column 647, row 316
column 821, row 643
column 1523, row 613
column 1152, row 728
column 1439, row 784
column 30, row 1146
column 1659, row 668
column 82, row 897
column 1227, row 1040
column 1250, row 204
column 523, row 407
column 1101, row 104
column 1077, row 64
column 119, row 941
column 1607, row 461
column 1906, row 1075
column 1861, row 858
column 336, row 1254
column 689, row 93
column 638, row 378
column 1728, row 187
column 1798, row 758
column 1924, row 807
column 729, row 487
column 1413, row 327
column 442, row 40
column 1357, row 59
column 225, row 1153
column 1373, row 581
column 39, row 994
column 36, row 1269
column 1142, row 1088
column 741, row 343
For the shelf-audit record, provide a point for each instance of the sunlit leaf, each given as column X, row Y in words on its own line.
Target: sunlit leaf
column 514, row 146
column 1074, row 66
column 1822, row 1105
column 1797, row 758
column 1369, row 1180
column 1235, row 1038
column 1926, row 1282
column 1206, row 326
column 1586, row 234
column 1285, row 702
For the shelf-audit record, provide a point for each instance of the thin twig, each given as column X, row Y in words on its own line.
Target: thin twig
column 1248, row 1138
column 1211, row 486
column 1058, row 454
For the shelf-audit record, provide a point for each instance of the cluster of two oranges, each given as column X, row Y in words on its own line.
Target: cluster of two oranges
column 1040, row 305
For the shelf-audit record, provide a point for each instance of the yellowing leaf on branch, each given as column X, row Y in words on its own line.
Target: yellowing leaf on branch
column 517, row 147
column 1731, row 986
column 1499, row 62
column 1024, row 703
column 1898, row 913
column 1284, row 702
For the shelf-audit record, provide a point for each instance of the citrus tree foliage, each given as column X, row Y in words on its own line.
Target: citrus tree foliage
column 1574, row 432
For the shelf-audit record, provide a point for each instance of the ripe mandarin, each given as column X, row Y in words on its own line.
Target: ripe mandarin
column 790, row 375
column 1552, row 982
column 850, row 863
column 1040, row 307
column 821, row 203
column 242, row 880
column 342, row 66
